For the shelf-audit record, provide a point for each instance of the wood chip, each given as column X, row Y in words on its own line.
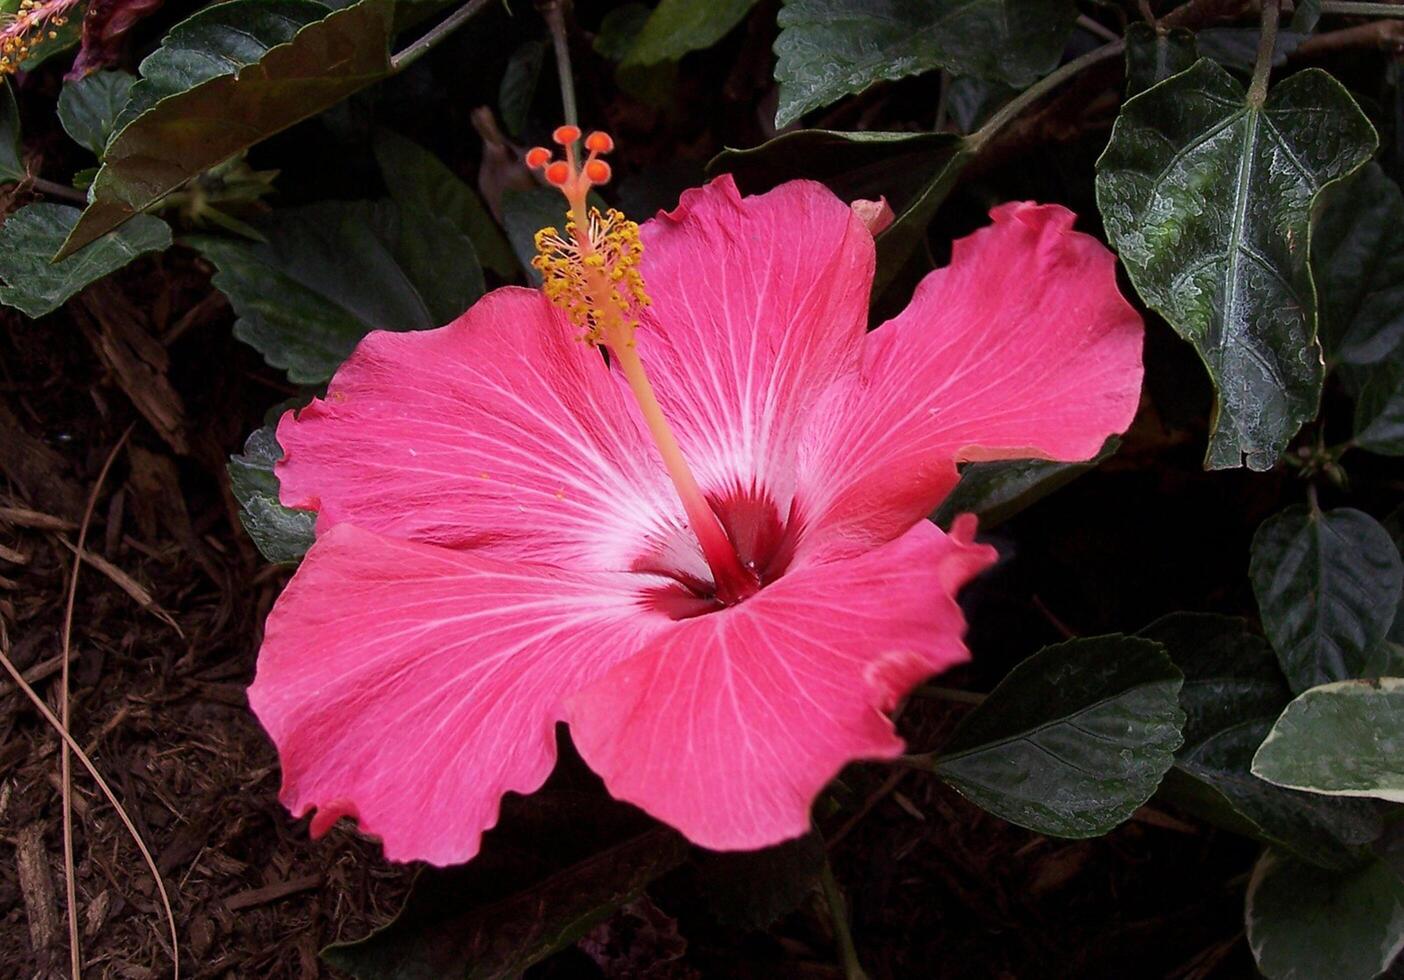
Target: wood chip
column 126, row 583
column 24, row 517
column 13, row 556
column 271, row 893
column 37, row 888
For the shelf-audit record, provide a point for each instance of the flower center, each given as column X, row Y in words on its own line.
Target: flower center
column 33, row 22
column 591, row 272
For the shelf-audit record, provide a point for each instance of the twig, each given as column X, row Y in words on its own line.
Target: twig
column 402, row 60
column 1039, row 89
column 1098, row 28
column 70, row 882
column 77, row 750
column 1267, row 45
column 554, row 13
column 55, row 189
column 949, row 694
column 1350, row 8
column 838, row 911
column 1382, row 34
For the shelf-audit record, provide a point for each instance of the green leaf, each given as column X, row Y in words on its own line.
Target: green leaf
column 1327, row 586
column 997, row 491
column 419, row 181
column 1327, row 832
column 1306, row 923
column 1207, row 199
column 1153, row 56
column 282, row 534
column 1231, row 674
column 676, row 27
column 226, row 78
column 831, row 48
column 1073, row 740
column 34, row 285
column 88, row 107
column 11, row 158
column 1357, row 256
column 440, row 936
column 1379, row 409
column 1342, row 739
column 752, row 889
column 518, row 87
column 330, row 273
column 1233, row 692
column 525, row 212
column 618, row 30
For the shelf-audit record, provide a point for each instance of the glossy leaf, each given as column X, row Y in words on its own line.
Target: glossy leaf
column 1357, row 256
column 34, row 285
column 1305, row 923
column 1153, row 56
column 1207, row 199
column 831, row 48
column 1073, row 740
column 1233, row 692
column 1342, row 739
column 88, row 107
column 420, row 182
column 437, row 936
column 1379, row 408
column 281, row 534
column 330, row 273
column 1327, row 586
column 11, row 159
column 1324, row 831
column 525, row 212
column 676, row 27
column 1231, row 674
column 518, row 87
column 226, row 78
column 997, row 491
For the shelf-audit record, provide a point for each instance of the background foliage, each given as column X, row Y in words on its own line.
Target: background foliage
column 1199, row 633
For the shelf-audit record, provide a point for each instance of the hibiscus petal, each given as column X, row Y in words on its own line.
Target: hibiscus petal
column 1021, row 347
column 758, row 304
column 410, row 686
column 728, row 726
column 499, row 431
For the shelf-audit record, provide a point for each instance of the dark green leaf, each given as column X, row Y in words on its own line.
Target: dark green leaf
column 224, row 79
column 11, row 159
column 437, row 937
column 282, row 534
column 1074, row 739
column 1342, row 739
column 1153, row 56
column 870, row 165
column 88, row 107
column 619, row 28
column 518, row 87
column 34, row 285
column 1305, row 923
column 971, row 101
column 1327, row 832
column 831, row 48
column 525, row 212
column 1379, row 408
column 1207, row 199
column 419, row 181
column 754, row 888
column 1231, row 674
column 1327, row 587
column 1237, row 47
column 1357, row 256
column 676, row 27
column 330, row 273
column 997, row 491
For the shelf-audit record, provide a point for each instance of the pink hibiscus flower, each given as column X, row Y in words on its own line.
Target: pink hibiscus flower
column 720, row 588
